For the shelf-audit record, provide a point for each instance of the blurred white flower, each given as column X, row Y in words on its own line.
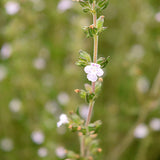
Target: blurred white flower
column 51, row 107
column 60, row 152
column 155, row 124
column 64, row 5
column 3, row 72
column 63, row 98
column 136, row 52
column 37, row 137
column 63, row 120
column 143, row 84
column 6, row 51
column 83, row 110
column 15, row 105
column 93, row 70
column 12, row 7
column 157, row 17
column 42, row 152
column 6, row 144
column 141, row 131
column 39, row 63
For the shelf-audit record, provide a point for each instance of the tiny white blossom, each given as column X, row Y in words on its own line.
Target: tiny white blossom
column 93, row 70
column 83, row 111
column 141, row 131
column 12, row 7
column 60, row 152
column 63, row 98
column 39, row 63
column 15, row 105
column 6, row 144
column 6, row 51
column 63, row 120
column 143, row 84
column 42, row 152
column 64, row 5
column 155, row 124
column 37, row 137
column 157, row 17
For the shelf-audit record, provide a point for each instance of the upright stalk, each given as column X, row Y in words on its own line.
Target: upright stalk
column 91, row 104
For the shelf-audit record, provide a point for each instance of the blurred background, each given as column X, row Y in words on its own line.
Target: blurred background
column 39, row 44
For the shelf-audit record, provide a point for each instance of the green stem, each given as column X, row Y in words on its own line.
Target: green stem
column 91, row 104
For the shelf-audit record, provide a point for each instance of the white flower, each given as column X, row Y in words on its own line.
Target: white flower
column 63, row 120
column 83, row 111
column 157, row 17
column 155, row 124
column 93, row 70
column 141, row 131
column 6, row 144
column 60, row 152
column 64, row 5
column 37, row 137
column 6, row 51
column 143, row 84
column 12, row 7
column 136, row 52
column 39, row 63
column 63, row 98
column 15, row 105
column 42, row 152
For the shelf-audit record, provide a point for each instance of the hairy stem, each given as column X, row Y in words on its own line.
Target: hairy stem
column 91, row 104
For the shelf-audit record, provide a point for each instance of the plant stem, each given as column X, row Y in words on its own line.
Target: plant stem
column 91, row 104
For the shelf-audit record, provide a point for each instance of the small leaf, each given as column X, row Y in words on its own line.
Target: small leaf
column 103, row 61
column 86, row 10
column 90, row 1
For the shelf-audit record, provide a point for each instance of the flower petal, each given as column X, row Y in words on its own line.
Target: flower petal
column 100, row 72
column 59, row 124
column 87, row 69
column 91, row 77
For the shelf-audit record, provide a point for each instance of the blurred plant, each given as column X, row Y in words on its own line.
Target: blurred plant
column 89, row 144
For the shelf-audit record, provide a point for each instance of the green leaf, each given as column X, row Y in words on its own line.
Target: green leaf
column 84, row 55
column 84, row 59
column 83, row 94
column 99, row 22
column 103, row 61
column 90, row 1
column 90, row 97
column 86, row 10
column 83, row 3
column 102, row 4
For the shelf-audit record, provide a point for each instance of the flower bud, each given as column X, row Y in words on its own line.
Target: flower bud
column 70, row 126
column 99, row 150
column 91, row 26
column 77, row 90
column 90, row 158
column 79, row 128
column 100, row 79
column 80, row 134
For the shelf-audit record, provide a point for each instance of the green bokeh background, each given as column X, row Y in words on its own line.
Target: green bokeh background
column 39, row 29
